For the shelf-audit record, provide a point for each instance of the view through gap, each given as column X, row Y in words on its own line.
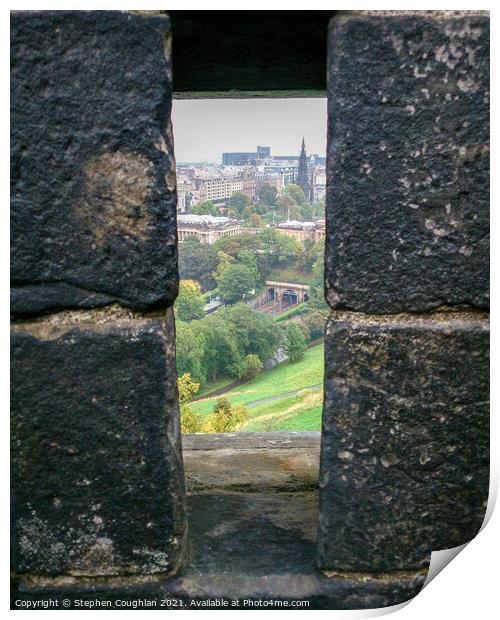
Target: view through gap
column 250, row 315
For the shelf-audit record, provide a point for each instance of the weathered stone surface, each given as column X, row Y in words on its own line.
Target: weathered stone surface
column 252, row 462
column 408, row 162
column 405, row 443
column 93, row 173
column 243, row 544
column 97, row 478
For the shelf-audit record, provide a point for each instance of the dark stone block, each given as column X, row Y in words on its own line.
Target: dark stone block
column 97, row 477
column 216, row 52
column 408, row 162
column 405, row 445
column 256, row 541
column 93, row 173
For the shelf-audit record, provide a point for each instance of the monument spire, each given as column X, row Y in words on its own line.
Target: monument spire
column 302, row 172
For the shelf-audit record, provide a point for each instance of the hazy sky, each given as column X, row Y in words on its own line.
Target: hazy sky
column 204, row 128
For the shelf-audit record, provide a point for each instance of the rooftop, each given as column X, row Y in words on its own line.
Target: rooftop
column 205, row 221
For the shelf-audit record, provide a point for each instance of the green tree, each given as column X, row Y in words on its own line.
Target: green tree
column 306, row 213
column 295, row 193
column 315, row 321
column 267, row 194
column 239, row 202
column 287, row 206
column 233, row 245
column 221, row 356
column 251, row 366
column 316, row 293
column 206, row 207
column 189, row 303
column 257, row 333
column 295, row 343
column 248, row 258
column 190, row 350
column 197, row 261
column 277, row 250
column 233, row 281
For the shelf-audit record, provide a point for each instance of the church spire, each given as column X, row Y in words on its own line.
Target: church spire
column 303, row 172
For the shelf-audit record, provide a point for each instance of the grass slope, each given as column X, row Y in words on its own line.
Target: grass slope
column 296, row 412
column 293, row 413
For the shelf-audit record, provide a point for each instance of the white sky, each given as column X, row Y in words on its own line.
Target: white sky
column 205, row 128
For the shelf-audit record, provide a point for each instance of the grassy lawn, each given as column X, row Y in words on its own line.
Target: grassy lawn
column 281, row 379
column 294, row 413
column 211, row 387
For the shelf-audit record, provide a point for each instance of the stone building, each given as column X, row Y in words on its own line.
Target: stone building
column 314, row 231
column 218, row 188
column 206, row 228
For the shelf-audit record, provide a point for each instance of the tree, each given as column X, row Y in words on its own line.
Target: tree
column 257, row 333
column 221, row 354
column 306, row 213
column 286, row 206
column 295, row 193
column 295, row 343
column 267, row 194
column 191, row 422
column 239, row 202
column 316, row 293
column 197, row 261
column 187, row 388
column 225, row 418
column 248, row 258
column 315, row 322
column 255, row 221
column 190, row 348
column 234, row 280
column 251, row 366
column 206, row 207
column 189, row 303
column 278, row 250
column 233, row 245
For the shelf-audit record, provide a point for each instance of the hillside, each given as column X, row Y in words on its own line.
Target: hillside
column 287, row 397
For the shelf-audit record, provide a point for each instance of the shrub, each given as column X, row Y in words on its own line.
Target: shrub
column 225, row 418
column 295, row 343
column 251, row 366
column 191, row 422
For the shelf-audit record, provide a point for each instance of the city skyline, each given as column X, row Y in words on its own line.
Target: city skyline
column 205, row 128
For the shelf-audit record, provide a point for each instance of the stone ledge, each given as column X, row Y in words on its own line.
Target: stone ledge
column 256, row 542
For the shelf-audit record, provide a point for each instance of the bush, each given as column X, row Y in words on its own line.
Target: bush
column 251, row 366
column 187, row 388
column 191, row 422
column 295, row 343
column 315, row 322
column 225, row 418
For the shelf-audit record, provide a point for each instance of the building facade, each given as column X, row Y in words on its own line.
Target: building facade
column 207, row 228
column 313, row 231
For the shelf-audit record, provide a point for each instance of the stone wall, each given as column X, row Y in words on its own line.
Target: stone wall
column 404, row 461
column 97, row 476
